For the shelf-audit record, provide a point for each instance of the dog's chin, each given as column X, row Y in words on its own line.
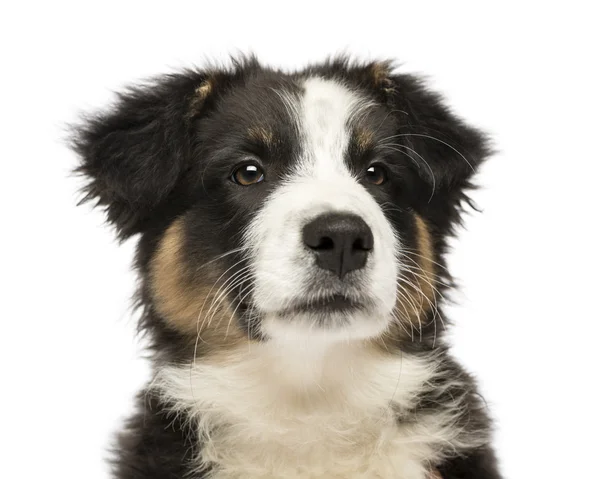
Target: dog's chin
column 336, row 319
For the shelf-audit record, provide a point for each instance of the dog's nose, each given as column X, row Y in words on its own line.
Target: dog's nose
column 340, row 241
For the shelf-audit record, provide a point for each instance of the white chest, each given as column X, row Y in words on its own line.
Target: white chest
column 261, row 413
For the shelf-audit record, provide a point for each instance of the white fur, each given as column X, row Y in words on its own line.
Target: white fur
column 300, row 410
column 320, row 183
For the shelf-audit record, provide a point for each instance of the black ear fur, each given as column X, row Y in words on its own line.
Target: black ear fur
column 134, row 154
column 446, row 151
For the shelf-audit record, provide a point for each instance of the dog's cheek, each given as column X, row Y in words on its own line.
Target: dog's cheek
column 426, row 278
column 417, row 295
column 190, row 303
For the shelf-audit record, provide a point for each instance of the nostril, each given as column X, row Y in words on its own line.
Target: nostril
column 361, row 244
column 319, row 242
column 325, row 243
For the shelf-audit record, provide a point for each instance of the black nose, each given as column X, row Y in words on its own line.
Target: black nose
column 340, row 242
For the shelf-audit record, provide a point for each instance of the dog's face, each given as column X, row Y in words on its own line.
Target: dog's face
column 280, row 206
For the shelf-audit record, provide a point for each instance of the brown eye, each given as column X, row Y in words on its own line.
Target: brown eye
column 376, row 175
column 248, row 174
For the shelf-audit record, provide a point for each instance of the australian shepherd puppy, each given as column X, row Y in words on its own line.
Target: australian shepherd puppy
column 292, row 230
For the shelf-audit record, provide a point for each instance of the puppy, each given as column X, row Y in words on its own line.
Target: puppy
column 291, row 234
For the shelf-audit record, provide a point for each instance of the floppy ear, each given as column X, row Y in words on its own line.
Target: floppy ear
column 445, row 151
column 452, row 149
column 134, row 154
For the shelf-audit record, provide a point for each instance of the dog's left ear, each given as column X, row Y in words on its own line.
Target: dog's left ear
column 445, row 151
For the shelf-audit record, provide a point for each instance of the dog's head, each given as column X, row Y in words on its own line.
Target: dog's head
column 272, row 205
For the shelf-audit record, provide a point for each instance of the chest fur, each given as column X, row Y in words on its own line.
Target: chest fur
column 265, row 413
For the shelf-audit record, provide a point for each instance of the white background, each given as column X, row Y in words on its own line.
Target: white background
column 527, row 320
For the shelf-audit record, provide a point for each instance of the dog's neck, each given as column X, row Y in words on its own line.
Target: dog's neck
column 290, row 409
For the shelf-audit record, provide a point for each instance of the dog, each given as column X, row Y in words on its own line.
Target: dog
column 292, row 230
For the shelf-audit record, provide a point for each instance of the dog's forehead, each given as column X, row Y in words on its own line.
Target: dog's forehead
column 328, row 113
column 313, row 113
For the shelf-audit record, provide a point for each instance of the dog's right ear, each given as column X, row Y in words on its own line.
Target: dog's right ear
column 134, row 154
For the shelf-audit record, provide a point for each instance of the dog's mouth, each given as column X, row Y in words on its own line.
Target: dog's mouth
column 331, row 317
column 333, row 304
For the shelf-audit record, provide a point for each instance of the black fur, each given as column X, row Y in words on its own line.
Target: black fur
column 154, row 443
column 159, row 154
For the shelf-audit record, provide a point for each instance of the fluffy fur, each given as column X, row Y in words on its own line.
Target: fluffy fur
column 267, row 364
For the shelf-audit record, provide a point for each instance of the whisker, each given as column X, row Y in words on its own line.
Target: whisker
column 198, row 324
column 417, row 289
column 213, row 286
column 400, row 322
column 233, row 251
column 251, row 286
column 422, row 135
column 417, row 253
column 218, row 302
column 422, row 275
column 227, row 287
column 406, row 296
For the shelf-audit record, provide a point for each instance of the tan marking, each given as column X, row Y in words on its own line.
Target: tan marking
column 200, row 95
column 380, row 72
column 425, row 260
column 261, row 134
column 364, row 138
column 204, row 90
column 418, row 296
column 184, row 300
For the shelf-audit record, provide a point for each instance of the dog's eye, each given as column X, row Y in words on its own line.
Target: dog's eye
column 248, row 174
column 376, row 175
